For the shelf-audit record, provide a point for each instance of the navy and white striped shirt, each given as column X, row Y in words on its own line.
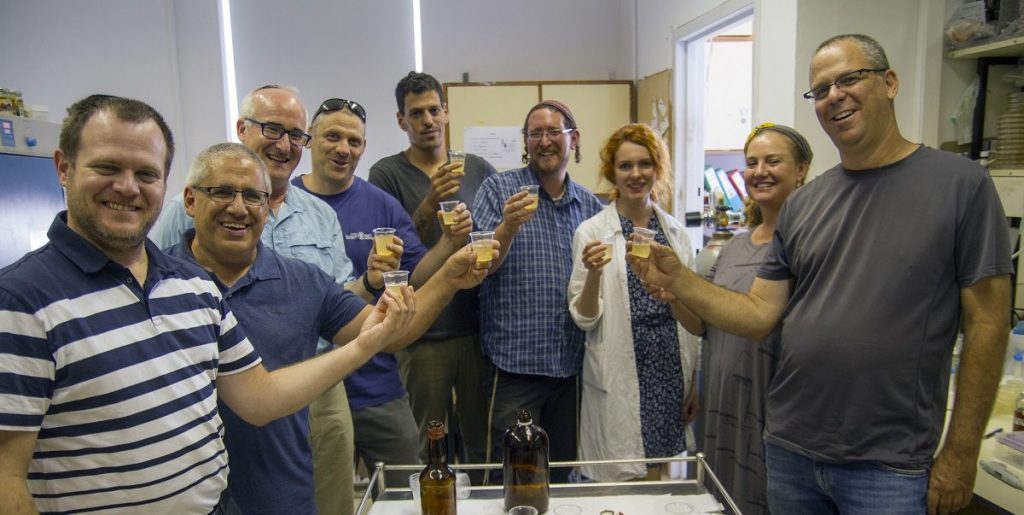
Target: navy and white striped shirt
column 117, row 378
column 525, row 327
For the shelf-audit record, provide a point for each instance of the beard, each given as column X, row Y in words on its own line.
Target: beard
column 87, row 223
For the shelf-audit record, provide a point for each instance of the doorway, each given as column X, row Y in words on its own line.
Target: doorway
column 713, row 88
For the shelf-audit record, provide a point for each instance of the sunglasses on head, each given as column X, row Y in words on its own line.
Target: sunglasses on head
column 337, row 104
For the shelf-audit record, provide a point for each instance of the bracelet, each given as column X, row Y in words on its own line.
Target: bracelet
column 366, row 284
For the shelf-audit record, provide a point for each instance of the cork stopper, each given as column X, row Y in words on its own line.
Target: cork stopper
column 435, row 430
column 524, row 417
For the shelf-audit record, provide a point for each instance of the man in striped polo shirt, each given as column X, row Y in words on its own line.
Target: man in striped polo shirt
column 112, row 350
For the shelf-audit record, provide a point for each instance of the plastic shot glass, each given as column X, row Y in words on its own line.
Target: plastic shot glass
column 457, row 157
column 414, row 485
column 382, row 237
column 642, row 238
column 462, row 485
column 448, row 211
column 533, row 194
column 393, row 281
column 480, row 241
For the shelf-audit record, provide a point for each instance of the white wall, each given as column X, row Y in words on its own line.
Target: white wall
column 498, row 40
column 352, row 50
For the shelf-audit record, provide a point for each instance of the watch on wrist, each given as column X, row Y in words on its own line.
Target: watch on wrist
column 369, row 287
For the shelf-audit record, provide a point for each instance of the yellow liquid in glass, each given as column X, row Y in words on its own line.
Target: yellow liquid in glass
column 484, row 252
column 381, row 242
column 532, row 206
column 396, row 289
column 449, row 217
column 641, row 250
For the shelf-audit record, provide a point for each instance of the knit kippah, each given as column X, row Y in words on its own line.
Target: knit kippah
column 557, row 106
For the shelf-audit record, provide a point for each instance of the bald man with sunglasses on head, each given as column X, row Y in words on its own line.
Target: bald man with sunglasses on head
column 385, row 429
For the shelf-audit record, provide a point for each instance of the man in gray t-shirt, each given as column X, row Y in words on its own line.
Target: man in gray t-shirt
column 448, row 356
column 875, row 267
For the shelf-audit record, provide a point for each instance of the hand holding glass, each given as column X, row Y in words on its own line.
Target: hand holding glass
column 382, row 237
column 448, row 211
column 480, row 241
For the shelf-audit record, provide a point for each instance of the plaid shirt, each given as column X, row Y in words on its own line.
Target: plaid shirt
column 525, row 327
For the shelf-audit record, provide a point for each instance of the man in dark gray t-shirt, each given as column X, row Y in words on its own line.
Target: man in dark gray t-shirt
column 448, row 356
column 875, row 266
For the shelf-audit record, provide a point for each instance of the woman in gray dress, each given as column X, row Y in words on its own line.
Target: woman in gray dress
column 735, row 370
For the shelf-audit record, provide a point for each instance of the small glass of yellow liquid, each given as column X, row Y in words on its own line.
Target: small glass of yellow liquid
column 480, row 241
column 448, row 211
column 382, row 237
column 393, row 281
column 457, row 157
column 642, row 242
column 532, row 193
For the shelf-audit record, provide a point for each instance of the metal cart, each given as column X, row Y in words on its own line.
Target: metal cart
column 704, row 481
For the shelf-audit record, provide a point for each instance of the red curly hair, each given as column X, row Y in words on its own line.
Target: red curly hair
column 643, row 135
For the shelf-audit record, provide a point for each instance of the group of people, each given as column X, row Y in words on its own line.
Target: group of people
column 136, row 369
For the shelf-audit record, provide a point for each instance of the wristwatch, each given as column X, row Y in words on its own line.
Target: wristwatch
column 366, row 284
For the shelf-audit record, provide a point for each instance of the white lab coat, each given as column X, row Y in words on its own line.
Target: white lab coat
column 610, row 410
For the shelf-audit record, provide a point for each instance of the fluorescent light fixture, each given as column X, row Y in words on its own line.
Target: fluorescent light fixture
column 227, row 64
column 417, row 34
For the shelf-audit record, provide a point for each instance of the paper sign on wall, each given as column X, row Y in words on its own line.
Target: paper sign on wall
column 500, row 146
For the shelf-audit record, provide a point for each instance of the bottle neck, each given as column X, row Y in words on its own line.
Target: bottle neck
column 436, row 452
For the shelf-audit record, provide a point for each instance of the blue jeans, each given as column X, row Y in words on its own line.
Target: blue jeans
column 800, row 485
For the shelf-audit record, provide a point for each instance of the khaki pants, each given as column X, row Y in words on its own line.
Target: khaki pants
column 331, row 440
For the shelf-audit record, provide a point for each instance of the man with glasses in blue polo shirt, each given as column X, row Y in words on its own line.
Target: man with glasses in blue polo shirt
column 525, row 328
column 385, row 429
column 272, row 123
column 284, row 304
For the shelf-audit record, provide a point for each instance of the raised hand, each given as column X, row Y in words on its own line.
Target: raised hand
column 596, row 255
column 460, row 269
column 389, row 320
column 445, row 181
column 515, row 212
column 457, row 232
column 377, row 264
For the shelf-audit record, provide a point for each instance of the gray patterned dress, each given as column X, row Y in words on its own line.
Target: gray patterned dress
column 736, row 372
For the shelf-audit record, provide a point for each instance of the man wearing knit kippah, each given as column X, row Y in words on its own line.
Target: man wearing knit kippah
column 526, row 331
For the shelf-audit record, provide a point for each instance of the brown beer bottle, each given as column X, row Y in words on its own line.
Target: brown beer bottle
column 437, row 481
column 525, row 464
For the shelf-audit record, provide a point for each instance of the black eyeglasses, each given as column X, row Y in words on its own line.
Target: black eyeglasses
column 225, row 195
column 845, row 81
column 337, row 104
column 275, row 132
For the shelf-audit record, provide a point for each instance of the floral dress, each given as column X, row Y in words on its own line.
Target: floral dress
column 659, row 366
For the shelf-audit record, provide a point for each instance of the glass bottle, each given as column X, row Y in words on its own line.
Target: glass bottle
column 525, row 464
column 437, row 480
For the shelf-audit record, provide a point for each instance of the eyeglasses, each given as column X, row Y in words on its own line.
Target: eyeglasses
column 551, row 134
column 275, row 132
column 337, row 104
column 225, row 195
column 844, row 82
